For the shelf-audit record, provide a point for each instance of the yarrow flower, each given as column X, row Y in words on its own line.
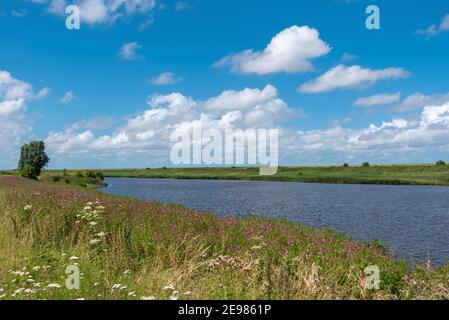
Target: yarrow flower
column 169, row 287
column 28, row 207
column 53, row 285
column 94, row 241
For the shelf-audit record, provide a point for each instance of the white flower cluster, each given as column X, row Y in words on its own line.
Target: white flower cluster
column 90, row 216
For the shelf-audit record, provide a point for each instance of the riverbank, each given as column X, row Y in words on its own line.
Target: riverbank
column 130, row 249
column 413, row 174
column 375, row 174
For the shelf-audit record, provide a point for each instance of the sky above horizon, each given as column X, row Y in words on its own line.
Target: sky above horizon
column 109, row 95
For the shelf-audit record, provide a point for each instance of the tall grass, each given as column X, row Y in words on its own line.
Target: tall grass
column 130, row 249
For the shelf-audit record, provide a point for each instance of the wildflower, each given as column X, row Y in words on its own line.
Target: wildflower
column 147, row 298
column 73, row 258
column 119, row 286
column 36, row 268
column 80, row 299
column 100, row 234
column 169, row 287
column 87, row 208
column 28, row 207
column 187, row 293
column 94, row 241
column 174, row 296
column 53, row 285
column 132, row 294
column 93, row 223
column 18, row 291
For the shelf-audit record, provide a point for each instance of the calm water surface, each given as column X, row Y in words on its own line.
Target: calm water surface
column 413, row 221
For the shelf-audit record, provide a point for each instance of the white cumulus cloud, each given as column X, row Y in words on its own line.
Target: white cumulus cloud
column 68, row 97
column 129, row 51
column 149, row 131
column 165, row 78
column 95, row 12
column 378, row 99
column 290, row 51
column 433, row 30
column 349, row 77
column 14, row 122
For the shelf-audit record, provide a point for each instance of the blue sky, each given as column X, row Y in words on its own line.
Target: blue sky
column 107, row 95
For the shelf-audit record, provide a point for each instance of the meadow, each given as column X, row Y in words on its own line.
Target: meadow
column 131, row 249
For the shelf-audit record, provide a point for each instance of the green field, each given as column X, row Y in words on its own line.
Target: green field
column 129, row 249
column 376, row 174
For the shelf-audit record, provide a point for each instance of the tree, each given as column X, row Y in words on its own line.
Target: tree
column 365, row 164
column 440, row 163
column 32, row 156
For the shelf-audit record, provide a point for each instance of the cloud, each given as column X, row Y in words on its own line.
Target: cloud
column 424, row 139
column 344, row 77
column 419, row 100
column 290, row 51
column 241, row 100
column 104, row 12
column 9, row 107
column 14, row 122
column 433, row 30
column 182, row 6
column 378, row 99
column 12, row 89
column 346, row 57
column 68, row 97
column 149, row 131
column 165, row 78
column 19, row 13
column 145, row 138
column 129, row 51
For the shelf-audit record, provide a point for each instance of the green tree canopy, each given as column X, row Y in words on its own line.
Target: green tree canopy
column 33, row 155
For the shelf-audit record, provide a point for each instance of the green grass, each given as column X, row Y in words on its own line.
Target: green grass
column 378, row 174
column 131, row 249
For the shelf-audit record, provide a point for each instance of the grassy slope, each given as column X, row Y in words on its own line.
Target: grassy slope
column 141, row 247
column 382, row 174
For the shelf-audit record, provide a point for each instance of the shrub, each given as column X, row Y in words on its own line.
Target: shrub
column 99, row 175
column 55, row 178
column 29, row 172
column 440, row 163
column 79, row 174
column 90, row 174
column 345, row 165
column 365, row 164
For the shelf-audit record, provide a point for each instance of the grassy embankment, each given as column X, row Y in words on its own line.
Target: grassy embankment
column 130, row 249
column 378, row 174
column 419, row 174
